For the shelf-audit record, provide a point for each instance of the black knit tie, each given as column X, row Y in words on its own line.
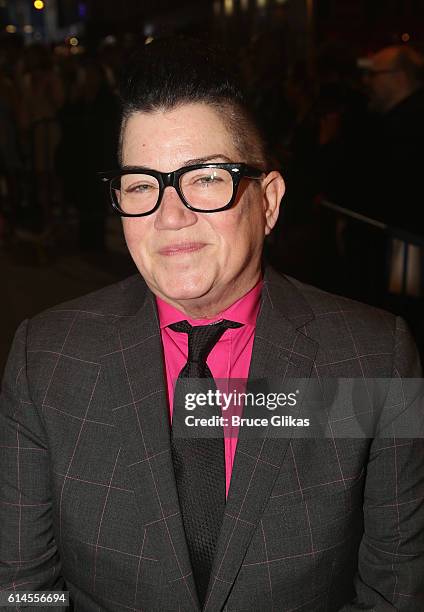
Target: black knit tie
column 199, row 463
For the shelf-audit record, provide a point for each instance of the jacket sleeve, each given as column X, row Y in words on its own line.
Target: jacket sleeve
column 29, row 558
column 391, row 556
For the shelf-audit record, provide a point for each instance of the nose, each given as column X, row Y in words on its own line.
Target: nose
column 172, row 213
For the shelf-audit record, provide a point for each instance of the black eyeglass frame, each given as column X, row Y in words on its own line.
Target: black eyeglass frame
column 172, row 179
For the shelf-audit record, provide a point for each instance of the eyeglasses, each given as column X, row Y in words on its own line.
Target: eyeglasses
column 203, row 188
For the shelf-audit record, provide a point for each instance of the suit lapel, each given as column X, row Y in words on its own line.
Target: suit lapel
column 281, row 350
column 134, row 365
column 136, row 373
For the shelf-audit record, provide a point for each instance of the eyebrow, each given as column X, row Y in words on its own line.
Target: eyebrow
column 206, row 159
column 195, row 160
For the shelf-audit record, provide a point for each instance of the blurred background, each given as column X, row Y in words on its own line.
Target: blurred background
column 342, row 113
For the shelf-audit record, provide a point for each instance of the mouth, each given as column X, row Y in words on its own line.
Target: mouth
column 181, row 248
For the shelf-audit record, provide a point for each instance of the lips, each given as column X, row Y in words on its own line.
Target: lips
column 181, row 248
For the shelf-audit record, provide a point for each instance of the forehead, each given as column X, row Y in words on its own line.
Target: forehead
column 165, row 139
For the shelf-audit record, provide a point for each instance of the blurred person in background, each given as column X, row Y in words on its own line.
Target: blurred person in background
column 326, row 107
column 10, row 155
column 368, row 160
column 393, row 144
column 394, row 80
column 42, row 97
column 264, row 65
column 69, row 147
column 90, row 147
column 380, row 176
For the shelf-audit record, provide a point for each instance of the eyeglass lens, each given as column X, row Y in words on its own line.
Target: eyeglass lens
column 204, row 188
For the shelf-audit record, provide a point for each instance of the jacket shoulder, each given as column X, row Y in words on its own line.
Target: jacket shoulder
column 113, row 301
column 82, row 326
column 302, row 302
column 325, row 304
column 352, row 332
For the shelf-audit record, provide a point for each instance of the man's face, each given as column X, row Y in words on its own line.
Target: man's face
column 200, row 263
column 381, row 80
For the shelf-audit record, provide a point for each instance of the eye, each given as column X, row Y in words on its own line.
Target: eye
column 204, row 178
column 138, row 184
column 209, row 178
column 140, row 188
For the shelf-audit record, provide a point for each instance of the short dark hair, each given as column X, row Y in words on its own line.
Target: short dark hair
column 170, row 72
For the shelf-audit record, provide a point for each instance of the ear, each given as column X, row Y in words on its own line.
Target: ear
column 273, row 190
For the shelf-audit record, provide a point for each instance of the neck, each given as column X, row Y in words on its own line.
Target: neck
column 211, row 306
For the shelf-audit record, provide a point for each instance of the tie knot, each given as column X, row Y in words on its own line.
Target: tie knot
column 202, row 338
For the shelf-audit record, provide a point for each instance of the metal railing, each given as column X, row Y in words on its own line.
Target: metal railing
column 403, row 247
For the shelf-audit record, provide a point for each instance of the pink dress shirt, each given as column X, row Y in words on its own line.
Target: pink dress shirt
column 230, row 357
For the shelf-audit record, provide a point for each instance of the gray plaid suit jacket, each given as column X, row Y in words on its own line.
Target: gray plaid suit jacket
column 88, row 499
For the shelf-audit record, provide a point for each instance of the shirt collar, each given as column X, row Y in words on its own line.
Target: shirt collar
column 244, row 310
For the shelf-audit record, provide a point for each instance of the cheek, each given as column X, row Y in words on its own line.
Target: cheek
column 134, row 229
column 227, row 232
column 136, row 234
column 247, row 226
column 240, row 239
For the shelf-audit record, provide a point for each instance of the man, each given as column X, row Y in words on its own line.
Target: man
column 393, row 75
column 393, row 78
column 387, row 152
column 99, row 496
column 376, row 171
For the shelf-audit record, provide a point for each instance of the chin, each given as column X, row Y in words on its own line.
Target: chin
column 184, row 286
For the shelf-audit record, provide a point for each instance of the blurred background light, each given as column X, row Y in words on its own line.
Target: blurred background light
column 82, row 10
column 109, row 40
column 148, row 29
column 11, row 29
column 228, row 7
column 39, row 5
